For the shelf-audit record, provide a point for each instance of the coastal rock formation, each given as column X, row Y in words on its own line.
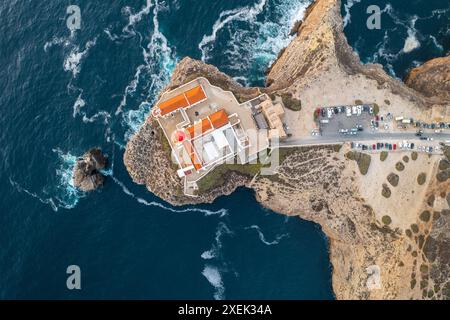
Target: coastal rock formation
column 432, row 79
column 86, row 173
column 379, row 247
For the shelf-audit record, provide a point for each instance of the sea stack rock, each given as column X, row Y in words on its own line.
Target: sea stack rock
column 86, row 174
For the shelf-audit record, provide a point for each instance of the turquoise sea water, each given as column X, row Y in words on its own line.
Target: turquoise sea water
column 63, row 92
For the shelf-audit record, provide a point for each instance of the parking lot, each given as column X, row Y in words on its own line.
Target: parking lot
column 346, row 120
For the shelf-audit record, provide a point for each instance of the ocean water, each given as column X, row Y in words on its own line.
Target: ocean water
column 412, row 32
column 63, row 92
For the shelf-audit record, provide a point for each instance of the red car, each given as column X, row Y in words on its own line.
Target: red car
column 395, row 146
column 374, row 147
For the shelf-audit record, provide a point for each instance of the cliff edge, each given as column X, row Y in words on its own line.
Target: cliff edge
column 380, row 247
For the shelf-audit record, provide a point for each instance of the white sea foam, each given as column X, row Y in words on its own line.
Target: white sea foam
column 79, row 103
column 43, row 200
column 72, row 62
column 220, row 213
column 436, row 43
column 263, row 238
column 66, row 193
column 214, row 252
column 411, row 43
column 252, row 39
column 134, row 18
column 212, row 274
column 56, row 41
column 159, row 62
column 347, row 6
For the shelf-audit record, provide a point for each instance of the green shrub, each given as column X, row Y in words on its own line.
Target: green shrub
column 376, row 109
column 400, row 166
column 444, row 164
column 386, row 192
column 386, row 220
column 414, row 155
column 290, row 102
column 425, row 216
column 442, row 176
column 393, row 179
column 406, row 159
column 421, row 178
column 415, row 228
column 430, row 200
column 383, row 155
column 359, row 102
column 408, row 233
column 423, row 268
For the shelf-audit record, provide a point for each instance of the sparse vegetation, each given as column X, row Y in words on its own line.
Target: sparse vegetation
column 376, row 109
column 387, row 102
column 421, row 178
column 415, row 228
column 383, row 155
column 436, row 215
column 363, row 160
column 400, row 166
column 425, row 216
column 408, row 233
column 290, row 102
column 444, row 164
column 442, row 176
column 414, row 155
column 430, row 200
column 386, row 220
column 446, row 150
column 423, row 268
column 217, row 177
column 393, row 179
column 386, row 192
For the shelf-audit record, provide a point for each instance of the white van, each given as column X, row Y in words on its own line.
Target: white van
column 324, row 121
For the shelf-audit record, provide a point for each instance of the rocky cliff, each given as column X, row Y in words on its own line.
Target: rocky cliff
column 378, row 251
column 432, row 79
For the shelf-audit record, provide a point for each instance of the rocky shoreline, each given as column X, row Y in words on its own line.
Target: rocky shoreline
column 333, row 198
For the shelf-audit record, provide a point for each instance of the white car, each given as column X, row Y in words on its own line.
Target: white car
column 354, row 110
column 359, row 110
column 329, row 112
column 371, row 110
column 349, row 111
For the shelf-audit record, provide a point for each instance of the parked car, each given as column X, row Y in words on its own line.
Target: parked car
column 348, row 111
column 395, row 146
column 412, row 146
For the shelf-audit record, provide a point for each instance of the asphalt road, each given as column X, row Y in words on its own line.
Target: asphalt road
column 364, row 136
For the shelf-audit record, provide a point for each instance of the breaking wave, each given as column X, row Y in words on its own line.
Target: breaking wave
column 220, row 213
column 263, row 238
column 214, row 277
column 72, row 62
column 151, row 76
column 347, row 6
column 63, row 193
column 248, row 39
column 214, row 252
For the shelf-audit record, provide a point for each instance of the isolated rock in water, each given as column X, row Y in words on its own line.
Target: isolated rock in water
column 86, row 174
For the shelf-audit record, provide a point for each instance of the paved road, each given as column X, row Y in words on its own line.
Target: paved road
column 379, row 137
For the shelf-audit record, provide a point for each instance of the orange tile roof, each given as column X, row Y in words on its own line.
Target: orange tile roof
column 173, row 104
column 194, row 159
column 199, row 129
column 219, row 119
column 183, row 100
column 195, row 95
